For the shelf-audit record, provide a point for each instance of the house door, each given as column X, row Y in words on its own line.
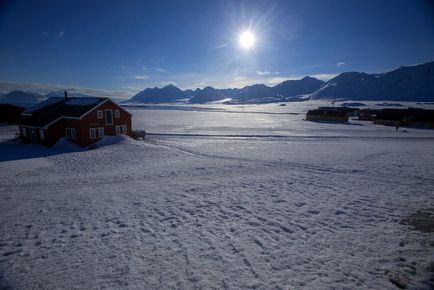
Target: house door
column 33, row 136
column 109, row 117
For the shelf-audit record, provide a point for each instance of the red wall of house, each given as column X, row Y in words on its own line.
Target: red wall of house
column 82, row 126
column 91, row 121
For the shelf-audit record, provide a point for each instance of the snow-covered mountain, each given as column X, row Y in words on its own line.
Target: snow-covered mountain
column 20, row 97
column 254, row 93
column 298, row 87
column 167, row 94
column 407, row 83
column 44, row 89
column 207, row 94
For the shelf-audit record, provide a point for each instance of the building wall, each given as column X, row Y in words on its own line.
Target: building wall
column 387, row 122
column 82, row 126
column 91, row 121
column 326, row 118
column 403, row 123
column 36, row 135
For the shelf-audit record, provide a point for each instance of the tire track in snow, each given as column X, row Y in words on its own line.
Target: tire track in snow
column 296, row 165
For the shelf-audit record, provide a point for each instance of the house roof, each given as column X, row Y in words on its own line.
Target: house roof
column 55, row 108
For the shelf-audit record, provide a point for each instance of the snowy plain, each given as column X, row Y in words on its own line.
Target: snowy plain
column 232, row 197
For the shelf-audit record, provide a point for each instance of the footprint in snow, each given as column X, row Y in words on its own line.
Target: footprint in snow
column 314, row 211
column 339, row 212
column 9, row 253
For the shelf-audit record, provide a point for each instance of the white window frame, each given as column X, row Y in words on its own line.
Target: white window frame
column 121, row 130
column 101, row 132
column 117, row 114
column 70, row 133
column 99, row 114
column 42, row 134
column 23, row 131
column 96, row 133
column 111, row 111
column 92, row 133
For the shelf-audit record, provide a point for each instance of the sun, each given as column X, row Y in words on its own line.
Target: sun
column 247, row 40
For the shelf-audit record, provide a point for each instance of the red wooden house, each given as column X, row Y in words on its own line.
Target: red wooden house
column 83, row 120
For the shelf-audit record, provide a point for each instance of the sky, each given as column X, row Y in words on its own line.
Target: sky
column 130, row 45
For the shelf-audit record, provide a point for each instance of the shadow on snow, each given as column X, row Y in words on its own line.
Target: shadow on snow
column 12, row 150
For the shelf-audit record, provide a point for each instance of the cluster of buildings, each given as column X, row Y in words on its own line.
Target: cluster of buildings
column 330, row 114
column 390, row 117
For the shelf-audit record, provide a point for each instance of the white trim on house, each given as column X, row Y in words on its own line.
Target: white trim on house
column 119, row 107
column 70, row 133
column 42, row 134
column 121, row 129
column 117, row 114
column 30, row 127
column 23, row 131
column 111, row 116
column 55, row 121
column 99, row 114
column 95, row 133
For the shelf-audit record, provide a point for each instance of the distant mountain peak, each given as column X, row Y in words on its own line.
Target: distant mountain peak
column 21, row 97
column 406, row 83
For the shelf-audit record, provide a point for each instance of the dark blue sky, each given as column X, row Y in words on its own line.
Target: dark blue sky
column 130, row 45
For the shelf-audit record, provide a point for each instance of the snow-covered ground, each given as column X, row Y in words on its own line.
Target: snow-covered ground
column 269, row 119
column 317, row 206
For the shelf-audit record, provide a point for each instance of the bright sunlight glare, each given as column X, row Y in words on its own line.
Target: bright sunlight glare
column 247, row 40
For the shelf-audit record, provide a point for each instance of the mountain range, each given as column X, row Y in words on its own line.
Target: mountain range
column 28, row 97
column 259, row 93
column 20, row 97
column 45, row 89
column 407, row 83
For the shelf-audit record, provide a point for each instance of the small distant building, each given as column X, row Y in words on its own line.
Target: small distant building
column 406, row 117
column 390, row 117
column 351, row 111
column 368, row 114
column 83, row 120
column 328, row 115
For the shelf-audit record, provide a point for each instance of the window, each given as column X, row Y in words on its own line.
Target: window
column 92, row 133
column 41, row 134
column 99, row 114
column 70, row 133
column 23, row 132
column 117, row 114
column 95, row 133
column 121, row 129
column 109, row 117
